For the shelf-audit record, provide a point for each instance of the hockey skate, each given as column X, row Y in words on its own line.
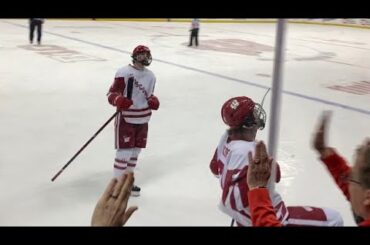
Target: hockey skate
column 135, row 191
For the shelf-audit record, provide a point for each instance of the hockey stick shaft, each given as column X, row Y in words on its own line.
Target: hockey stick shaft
column 84, row 146
column 129, row 95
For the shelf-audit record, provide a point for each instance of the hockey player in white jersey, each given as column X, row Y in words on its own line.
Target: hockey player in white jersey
column 230, row 161
column 135, row 106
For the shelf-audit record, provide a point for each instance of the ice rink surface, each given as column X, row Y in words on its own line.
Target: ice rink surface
column 53, row 99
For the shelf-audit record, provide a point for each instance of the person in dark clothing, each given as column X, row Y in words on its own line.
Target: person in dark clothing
column 36, row 23
column 194, row 32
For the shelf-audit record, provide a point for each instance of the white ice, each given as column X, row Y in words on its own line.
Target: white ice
column 50, row 108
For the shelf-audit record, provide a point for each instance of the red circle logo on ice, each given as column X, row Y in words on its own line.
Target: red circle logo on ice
column 237, row 46
column 358, row 88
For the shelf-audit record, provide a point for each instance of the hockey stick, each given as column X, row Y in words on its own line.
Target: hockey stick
column 263, row 100
column 129, row 95
column 84, row 146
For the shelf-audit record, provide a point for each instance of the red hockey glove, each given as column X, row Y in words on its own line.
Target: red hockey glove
column 153, row 102
column 122, row 103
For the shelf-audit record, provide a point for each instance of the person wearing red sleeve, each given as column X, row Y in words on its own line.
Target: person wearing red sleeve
column 258, row 174
column 135, row 109
column 36, row 23
column 353, row 181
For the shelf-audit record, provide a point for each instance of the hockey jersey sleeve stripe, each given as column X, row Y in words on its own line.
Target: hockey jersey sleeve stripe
column 116, row 89
column 245, row 214
column 232, row 198
column 282, row 211
column 112, row 98
column 115, row 99
column 239, row 195
column 214, row 165
column 112, row 93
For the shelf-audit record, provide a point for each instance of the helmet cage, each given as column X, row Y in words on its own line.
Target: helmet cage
column 257, row 119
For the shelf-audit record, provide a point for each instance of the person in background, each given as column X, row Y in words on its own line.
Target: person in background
column 36, row 23
column 194, row 31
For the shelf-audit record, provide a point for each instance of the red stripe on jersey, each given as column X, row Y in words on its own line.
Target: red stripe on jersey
column 281, row 211
column 133, row 159
column 227, row 182
column 232, row 199
column 131, row 164
column 138, row 116
column 136, row 110
column 245, row 214
column 243, row 190
column 214, row 165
